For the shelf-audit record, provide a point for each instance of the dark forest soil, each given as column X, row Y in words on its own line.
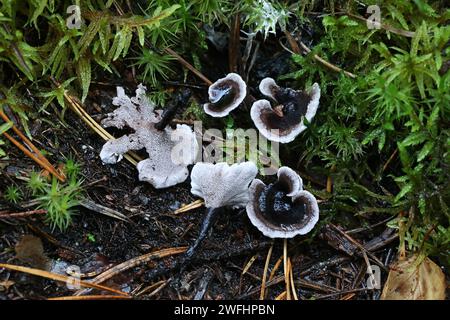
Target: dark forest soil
column 95, row 242
column 219, row 263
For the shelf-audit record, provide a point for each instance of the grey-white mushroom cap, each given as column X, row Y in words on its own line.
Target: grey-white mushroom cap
column 223, row 185
column 282, row 209
column 170, row 150
column 296, row 106
column 225, row 95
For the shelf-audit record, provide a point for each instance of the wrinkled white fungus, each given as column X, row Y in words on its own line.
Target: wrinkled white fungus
column 164, row 167
column 284, row 122
column 222, row 185
column 225, row 95
column 282, row 209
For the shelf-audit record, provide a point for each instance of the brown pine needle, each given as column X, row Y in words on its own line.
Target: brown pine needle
column 275, row 268
column 249, row 264
column 190, row 206
column 58, row 277
column 330, row 179
column 281, row 296
column 266, row 268
column 39, row 161
column 92, row 297
column 189, row 66
column 286, row 270
column 348, row 296
column 151, row 287
column 294, row 291
column 36, row 155
column 108, row 274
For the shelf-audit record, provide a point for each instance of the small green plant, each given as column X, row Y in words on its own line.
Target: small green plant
column 58, row 199
column 13, row 194
column 90, row 237
column 154, row 65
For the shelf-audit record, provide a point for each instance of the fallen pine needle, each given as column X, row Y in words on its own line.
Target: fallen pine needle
column 286, row 270
column 266, row 267
column 151, row 287
column 275, row 268
column 191, row 206
column 281, row 296
column 58, row 277
column 294, row 291
column 348, row 296
column 36, row 155
column 249, row 264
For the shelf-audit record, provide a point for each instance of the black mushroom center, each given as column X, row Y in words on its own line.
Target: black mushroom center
column 223, row 94
column 278, row 208
column 294, row 106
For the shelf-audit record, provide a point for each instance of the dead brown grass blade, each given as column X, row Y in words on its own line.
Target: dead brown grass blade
column 58, row 277
column 36, row 155
column 262, row 295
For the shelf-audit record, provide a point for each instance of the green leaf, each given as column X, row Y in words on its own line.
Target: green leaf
column 141, row 35
column 38, row 11
column 425, row 150
column 414, row 139
column 5, row 127
column 407, row 188
column 84, row 73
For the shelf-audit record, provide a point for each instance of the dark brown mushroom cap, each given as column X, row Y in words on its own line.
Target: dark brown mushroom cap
column 284, row 122
column 225, row 95
column 282, row 209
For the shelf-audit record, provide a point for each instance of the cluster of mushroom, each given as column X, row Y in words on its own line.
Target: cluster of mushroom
column 281, row 123
column 279, row 210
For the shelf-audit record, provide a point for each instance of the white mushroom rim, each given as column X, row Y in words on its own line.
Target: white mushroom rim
column 282, row 209
column 284, row 122
column 222, row 185
column 170, row 150
column 225, row 95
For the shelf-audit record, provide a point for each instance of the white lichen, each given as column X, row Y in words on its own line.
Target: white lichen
column 169, row 150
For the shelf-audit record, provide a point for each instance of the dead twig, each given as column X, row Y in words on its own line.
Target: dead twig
column 91, row 205
column 22, row 214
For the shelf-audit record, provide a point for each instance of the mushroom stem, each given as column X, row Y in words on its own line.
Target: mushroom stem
column 208, row 221
column 170, row 111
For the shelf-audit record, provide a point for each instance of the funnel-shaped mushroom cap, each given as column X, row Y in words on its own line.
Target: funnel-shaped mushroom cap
column 170, row 150
column 222, row 185
column 225, row 95
column 285, row 121
column 282, row 209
